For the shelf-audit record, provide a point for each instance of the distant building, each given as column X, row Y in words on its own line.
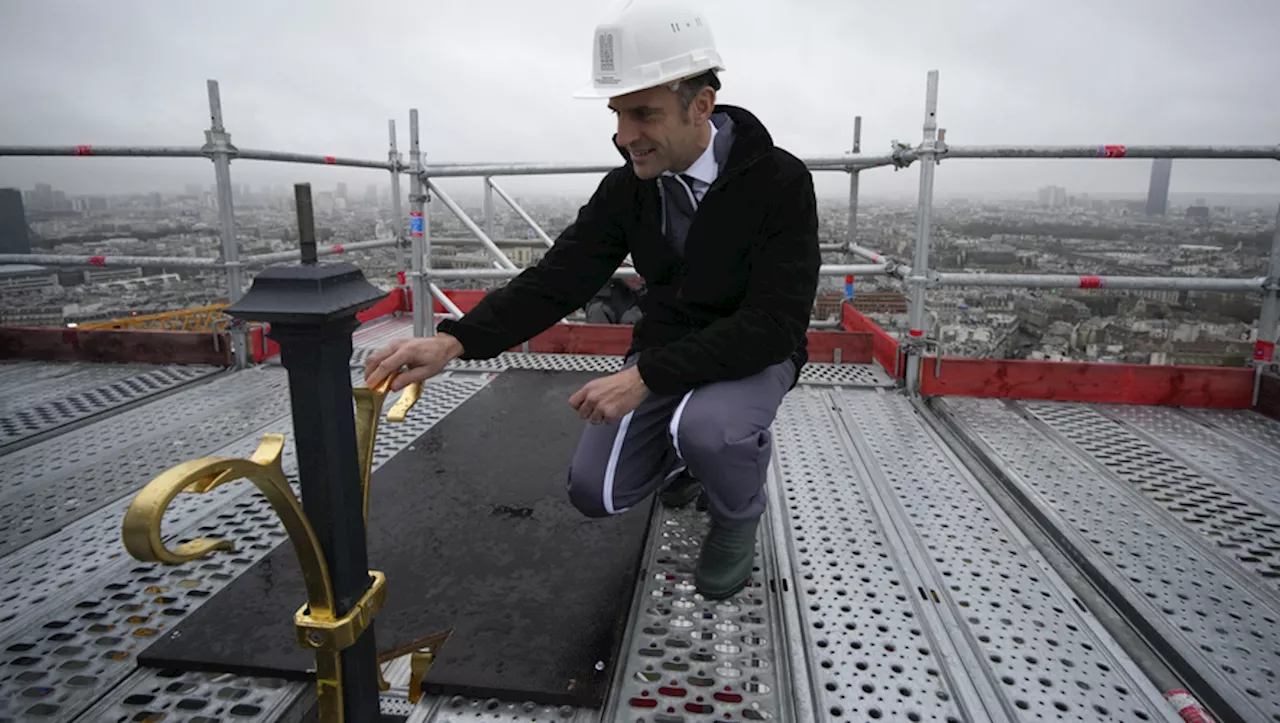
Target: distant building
column 878, row 302
column 1158, row 191
column 371, row 195
column 14, row 238
column 1053, row 196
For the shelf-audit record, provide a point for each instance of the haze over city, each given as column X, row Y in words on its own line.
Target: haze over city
column 493, row 82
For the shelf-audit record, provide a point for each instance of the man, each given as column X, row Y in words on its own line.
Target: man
column 722, row 225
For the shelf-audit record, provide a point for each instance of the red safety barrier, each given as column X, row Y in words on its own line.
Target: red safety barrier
column 130, row 346
column 394, row 301
column 884, row 348
column 1223, row 387
column 1264, row 351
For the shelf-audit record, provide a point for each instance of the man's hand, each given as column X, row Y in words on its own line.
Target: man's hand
column 610, row 398
column 425, row 358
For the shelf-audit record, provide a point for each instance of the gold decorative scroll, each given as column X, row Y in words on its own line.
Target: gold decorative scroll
column 368, row 411
column 142, row 519
column 317, row 628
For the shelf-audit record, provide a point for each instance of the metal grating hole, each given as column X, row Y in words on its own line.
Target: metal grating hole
column 1218, row 621
column 1239, row 529
column 691, row 656
column 192, row 695
column 52, row 413
column 102, row 628
column 1029, row 633
column 862, row 621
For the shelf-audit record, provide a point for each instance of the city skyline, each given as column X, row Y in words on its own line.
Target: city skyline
column 330, row 84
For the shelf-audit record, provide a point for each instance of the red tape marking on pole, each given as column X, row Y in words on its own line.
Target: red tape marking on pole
column 1264, row 351
column 1091, row 282
column 337, row 249
column 97, row 260
column 1187, row 707
column 916, row 332
column 84, row 150
column 330, row 159
column 1112, row 151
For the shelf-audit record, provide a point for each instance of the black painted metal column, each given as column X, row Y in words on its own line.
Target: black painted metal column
column 311, row 307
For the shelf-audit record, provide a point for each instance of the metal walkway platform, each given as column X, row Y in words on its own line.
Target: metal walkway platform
column 890, row 585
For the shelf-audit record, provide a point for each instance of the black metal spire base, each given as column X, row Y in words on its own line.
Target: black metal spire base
column 312, row 308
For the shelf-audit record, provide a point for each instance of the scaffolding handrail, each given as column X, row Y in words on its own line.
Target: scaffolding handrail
column 932, row 150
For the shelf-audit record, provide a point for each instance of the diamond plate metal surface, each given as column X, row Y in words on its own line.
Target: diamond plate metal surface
column 692, row 659
column 75, row 650
column 50, row 484
column 869, row 654
column 172, row 695
column 1052, row 659
column 1238, row 529
column 1215, row 622
column 19, row 423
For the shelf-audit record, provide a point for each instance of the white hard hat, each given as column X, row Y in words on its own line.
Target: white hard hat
column 649, row 43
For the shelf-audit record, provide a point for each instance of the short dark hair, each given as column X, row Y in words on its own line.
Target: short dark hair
column 689, row 88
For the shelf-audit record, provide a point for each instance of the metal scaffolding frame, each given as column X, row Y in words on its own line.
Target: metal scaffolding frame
column 421, row 277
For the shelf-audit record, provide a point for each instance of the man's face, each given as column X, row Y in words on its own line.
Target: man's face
column 656, row 133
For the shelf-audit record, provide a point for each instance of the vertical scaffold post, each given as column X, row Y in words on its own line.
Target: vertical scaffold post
column 852, row 237
column 1264, row 350
column 217, row 146
column 393, row 157
column 488, row 207
column 920, row 270
column 419, row 233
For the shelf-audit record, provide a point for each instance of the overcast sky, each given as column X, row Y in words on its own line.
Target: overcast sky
column 492, row 80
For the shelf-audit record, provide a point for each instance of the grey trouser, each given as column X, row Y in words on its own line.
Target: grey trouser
column 720, row 432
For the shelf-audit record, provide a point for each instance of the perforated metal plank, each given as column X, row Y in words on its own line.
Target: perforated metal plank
column 67, row 655
column 1243, row 532
column 870, row 659
column 692, row 659
column 1034, row 639
column 1246, row 469
column 468, row 710
column 26, row 422
column 1227, row 634
column 56, row 481
column 155, row 695
column 1246, row 425
column 26, row 384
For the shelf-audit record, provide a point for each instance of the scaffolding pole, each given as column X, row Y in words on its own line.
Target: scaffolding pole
column 420, row 236
column 1111, row 151
column 1265, row 347
column 1065, row 281
column 852, row 232
column 192, row 262
column 627, row 271
column 218, row 147
column 521, row 212
column 479, row 233
column 393, row 160
column 331, row 250
column 919, row 276
column 105, row 151
column 446, row 302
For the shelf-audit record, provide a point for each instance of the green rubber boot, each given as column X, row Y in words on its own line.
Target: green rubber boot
column 728, row 555
column 683, row 490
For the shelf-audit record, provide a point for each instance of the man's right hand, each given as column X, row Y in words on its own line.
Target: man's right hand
column 424, row 358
